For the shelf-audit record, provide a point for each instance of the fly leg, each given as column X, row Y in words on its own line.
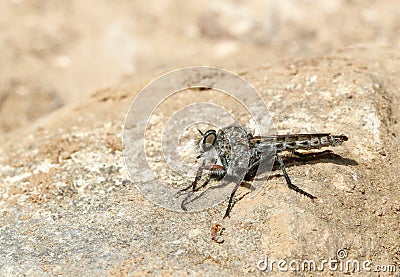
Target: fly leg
column 289, row 182
column 214, row 171
column 193, row 185
column 240, row 172
column 229, row 208
column 188, row 196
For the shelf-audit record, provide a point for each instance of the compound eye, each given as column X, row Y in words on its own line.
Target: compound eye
column 210, row 137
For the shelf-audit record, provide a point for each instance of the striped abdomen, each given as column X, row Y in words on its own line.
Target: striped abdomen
column 298, row 141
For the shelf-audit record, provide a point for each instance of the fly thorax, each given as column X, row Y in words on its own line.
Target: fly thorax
column 232, row 145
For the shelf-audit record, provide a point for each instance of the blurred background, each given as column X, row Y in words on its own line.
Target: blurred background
column 55, row 53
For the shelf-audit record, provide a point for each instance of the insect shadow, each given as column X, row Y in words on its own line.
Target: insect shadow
column 326, row 156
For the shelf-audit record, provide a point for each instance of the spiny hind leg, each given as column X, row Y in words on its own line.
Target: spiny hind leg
column 289, row 182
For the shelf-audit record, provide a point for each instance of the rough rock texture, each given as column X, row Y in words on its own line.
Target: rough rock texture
column 68, row 206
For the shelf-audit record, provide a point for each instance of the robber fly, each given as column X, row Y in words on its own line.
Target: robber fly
column 237, row 155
